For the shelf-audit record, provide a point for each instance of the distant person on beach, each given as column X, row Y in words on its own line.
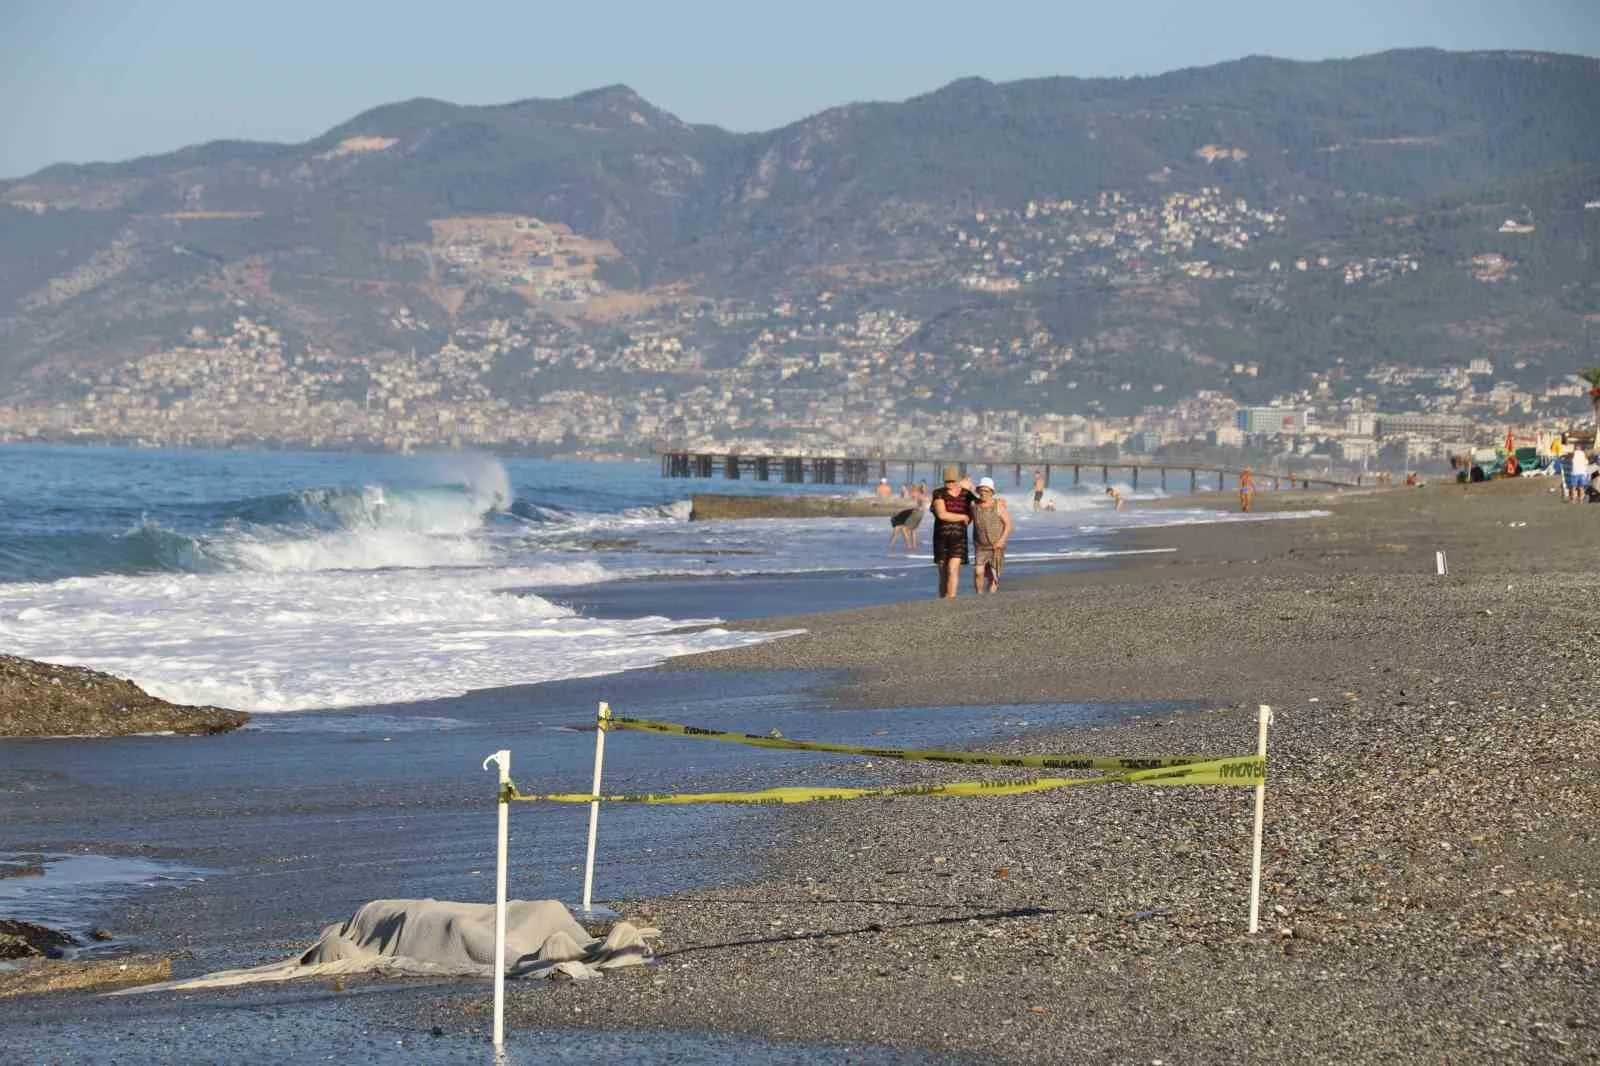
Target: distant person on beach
column 952, row 514
column 1247, row 489
column 920, row 493
column 991, row 528
column 1578, row 480
column 1116, row 497
column 883, row 490
column 904, row 525
column 1038, row 491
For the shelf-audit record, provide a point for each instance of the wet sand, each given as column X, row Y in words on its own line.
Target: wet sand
column 235, row 850
column 1429, row 892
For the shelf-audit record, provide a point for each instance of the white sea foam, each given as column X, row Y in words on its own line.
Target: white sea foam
column 364, row 549
column 296, row 641
column 487, row 484
column 1082, row 553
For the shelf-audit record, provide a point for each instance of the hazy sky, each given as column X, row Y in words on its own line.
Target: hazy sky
column 89, row 80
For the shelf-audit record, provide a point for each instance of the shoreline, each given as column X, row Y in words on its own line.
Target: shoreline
column 1409, row 880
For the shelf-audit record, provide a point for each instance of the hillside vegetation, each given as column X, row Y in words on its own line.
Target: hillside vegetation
column 579, row 216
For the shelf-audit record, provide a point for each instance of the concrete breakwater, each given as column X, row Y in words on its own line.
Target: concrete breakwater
column 709, row 505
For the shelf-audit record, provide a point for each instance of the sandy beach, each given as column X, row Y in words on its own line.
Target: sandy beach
column 1429, row 891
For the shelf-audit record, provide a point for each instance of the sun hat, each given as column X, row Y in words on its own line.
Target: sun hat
column 951, row 474
column 986, row 482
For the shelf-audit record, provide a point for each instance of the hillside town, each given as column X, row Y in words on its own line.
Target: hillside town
column 817, row 371
column 243, row 388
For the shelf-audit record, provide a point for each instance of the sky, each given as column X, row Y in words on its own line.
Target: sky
column 106, row 80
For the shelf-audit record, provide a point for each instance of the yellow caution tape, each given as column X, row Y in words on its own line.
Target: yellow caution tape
column 1245, row 770
column 969, row 758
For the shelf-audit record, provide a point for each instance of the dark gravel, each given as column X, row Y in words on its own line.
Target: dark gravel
column 1431, row 853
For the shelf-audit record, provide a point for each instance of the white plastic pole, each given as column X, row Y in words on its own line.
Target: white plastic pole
column 1438, row 561
column 601, row 721
column 1264, row 719
column 503, row 758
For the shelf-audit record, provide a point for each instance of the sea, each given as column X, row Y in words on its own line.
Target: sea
column 389, row 621
column 281, row 581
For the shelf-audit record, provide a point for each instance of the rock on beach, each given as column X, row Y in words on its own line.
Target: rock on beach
column 37, row 977
column 46, row 700
column 705, row 506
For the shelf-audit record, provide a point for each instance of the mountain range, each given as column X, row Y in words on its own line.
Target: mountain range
column 1414, row 206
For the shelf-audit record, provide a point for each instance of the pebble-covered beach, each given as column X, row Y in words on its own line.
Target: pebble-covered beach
column 1429, row 892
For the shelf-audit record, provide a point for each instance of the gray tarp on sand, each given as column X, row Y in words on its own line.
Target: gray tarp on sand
column 434, row 938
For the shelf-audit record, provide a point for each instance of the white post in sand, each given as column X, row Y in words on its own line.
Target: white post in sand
column 503, row 758
column 1264, row 719
column 601, row 721
column 1438, row 561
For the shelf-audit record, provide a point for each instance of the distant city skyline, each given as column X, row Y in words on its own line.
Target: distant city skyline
column 100, row 81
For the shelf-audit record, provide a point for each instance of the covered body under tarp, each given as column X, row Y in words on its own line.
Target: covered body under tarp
column 439, row 938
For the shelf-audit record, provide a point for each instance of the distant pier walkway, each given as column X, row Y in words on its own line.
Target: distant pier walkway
column 841, row 470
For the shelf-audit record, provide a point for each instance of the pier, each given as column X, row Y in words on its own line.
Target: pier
column 845, row 470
